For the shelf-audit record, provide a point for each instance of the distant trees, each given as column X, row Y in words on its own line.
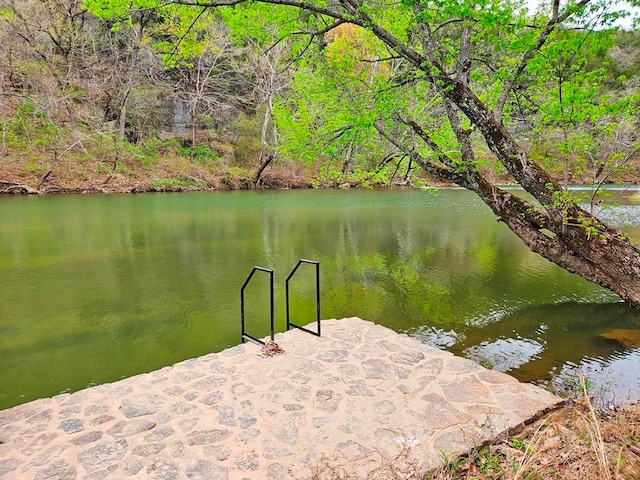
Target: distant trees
column 117, row 73
column 209, row 72
column 44, row 50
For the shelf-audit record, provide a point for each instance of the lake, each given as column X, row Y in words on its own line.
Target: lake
column 98, row 288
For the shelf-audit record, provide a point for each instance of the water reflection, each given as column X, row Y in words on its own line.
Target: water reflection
column 98, row 288
column 621, row 216
column 505, row 354
column 551, row 344
column 611, row 379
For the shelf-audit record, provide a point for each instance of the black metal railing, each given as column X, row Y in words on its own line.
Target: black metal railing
column 295, row 269
column 245, row 335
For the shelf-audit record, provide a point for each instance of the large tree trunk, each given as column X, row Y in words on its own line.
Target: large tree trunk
column 560, row 230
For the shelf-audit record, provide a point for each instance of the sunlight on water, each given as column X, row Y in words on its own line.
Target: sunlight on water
column 621, row 216
column 437, row 337
column 611, row 379
column 505, row 354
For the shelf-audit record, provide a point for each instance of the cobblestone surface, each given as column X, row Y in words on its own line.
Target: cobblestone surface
column 358, row 395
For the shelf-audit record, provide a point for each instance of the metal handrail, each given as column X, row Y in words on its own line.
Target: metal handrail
column 245, row 335
column 291, row 324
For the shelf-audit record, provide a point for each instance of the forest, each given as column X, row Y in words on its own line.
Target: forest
column 96, row 99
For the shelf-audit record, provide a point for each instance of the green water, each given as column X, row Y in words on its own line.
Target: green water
column 97, row 288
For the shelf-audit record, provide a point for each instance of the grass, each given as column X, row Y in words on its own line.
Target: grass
column 575, row 442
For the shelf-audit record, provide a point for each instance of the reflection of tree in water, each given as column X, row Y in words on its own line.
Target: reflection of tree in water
column 408, row 272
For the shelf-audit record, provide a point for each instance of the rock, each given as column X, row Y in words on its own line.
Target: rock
column 86, row 438
column 274, row 450
column 226, row 415
column 148, row 449
column 163, row 469
column 101, row 419
column 70, row 411
column 39, row 443
column 40, row 417
column 248, row 461
column 206, row 437
column 139, row 405
column 280, row 386
column 95, row 410
column 71, row 425
column 182, row 408
column 204, row 470
column 101, row 474
column 20, row 412
column 8, row 465
column 59, row 470
column 276, row 470
column 219, row 452
column 288, row 432
column 103, row 455
column 353, row 450
column 132, row 468
column 127, row 428
column 247, row 420
column 159, row 434
column 334, row 356
column 176, row 449
column 384, row 407
column 408, row 358
column 359, row 388
column 327, row 400
column 626, row 337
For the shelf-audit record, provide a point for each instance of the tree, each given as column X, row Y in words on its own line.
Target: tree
column 317, row 119
column 3, row 117
column 444, row 47
column 211, row 81
column 45, row 44
column 270, row 81
column 126, row 72
column 270, row 50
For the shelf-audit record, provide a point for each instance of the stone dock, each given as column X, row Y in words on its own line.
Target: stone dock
column 357, row 401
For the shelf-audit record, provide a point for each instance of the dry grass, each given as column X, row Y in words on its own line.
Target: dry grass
column 575, row 442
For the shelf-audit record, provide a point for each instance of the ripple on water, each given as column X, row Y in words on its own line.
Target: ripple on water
column 620, row 216
column 614, row 379
column 437, row 337
column 505, row 354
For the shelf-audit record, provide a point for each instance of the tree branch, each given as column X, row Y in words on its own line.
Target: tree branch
column 555, row 20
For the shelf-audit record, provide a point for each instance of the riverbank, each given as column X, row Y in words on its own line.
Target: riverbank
column 167, row 166
column 138, row 174
column 574, row 442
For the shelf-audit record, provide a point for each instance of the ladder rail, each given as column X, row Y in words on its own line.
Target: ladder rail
column 244, row 334
column 288, row 313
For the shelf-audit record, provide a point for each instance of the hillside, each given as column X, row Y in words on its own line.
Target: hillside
column 93, row 103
